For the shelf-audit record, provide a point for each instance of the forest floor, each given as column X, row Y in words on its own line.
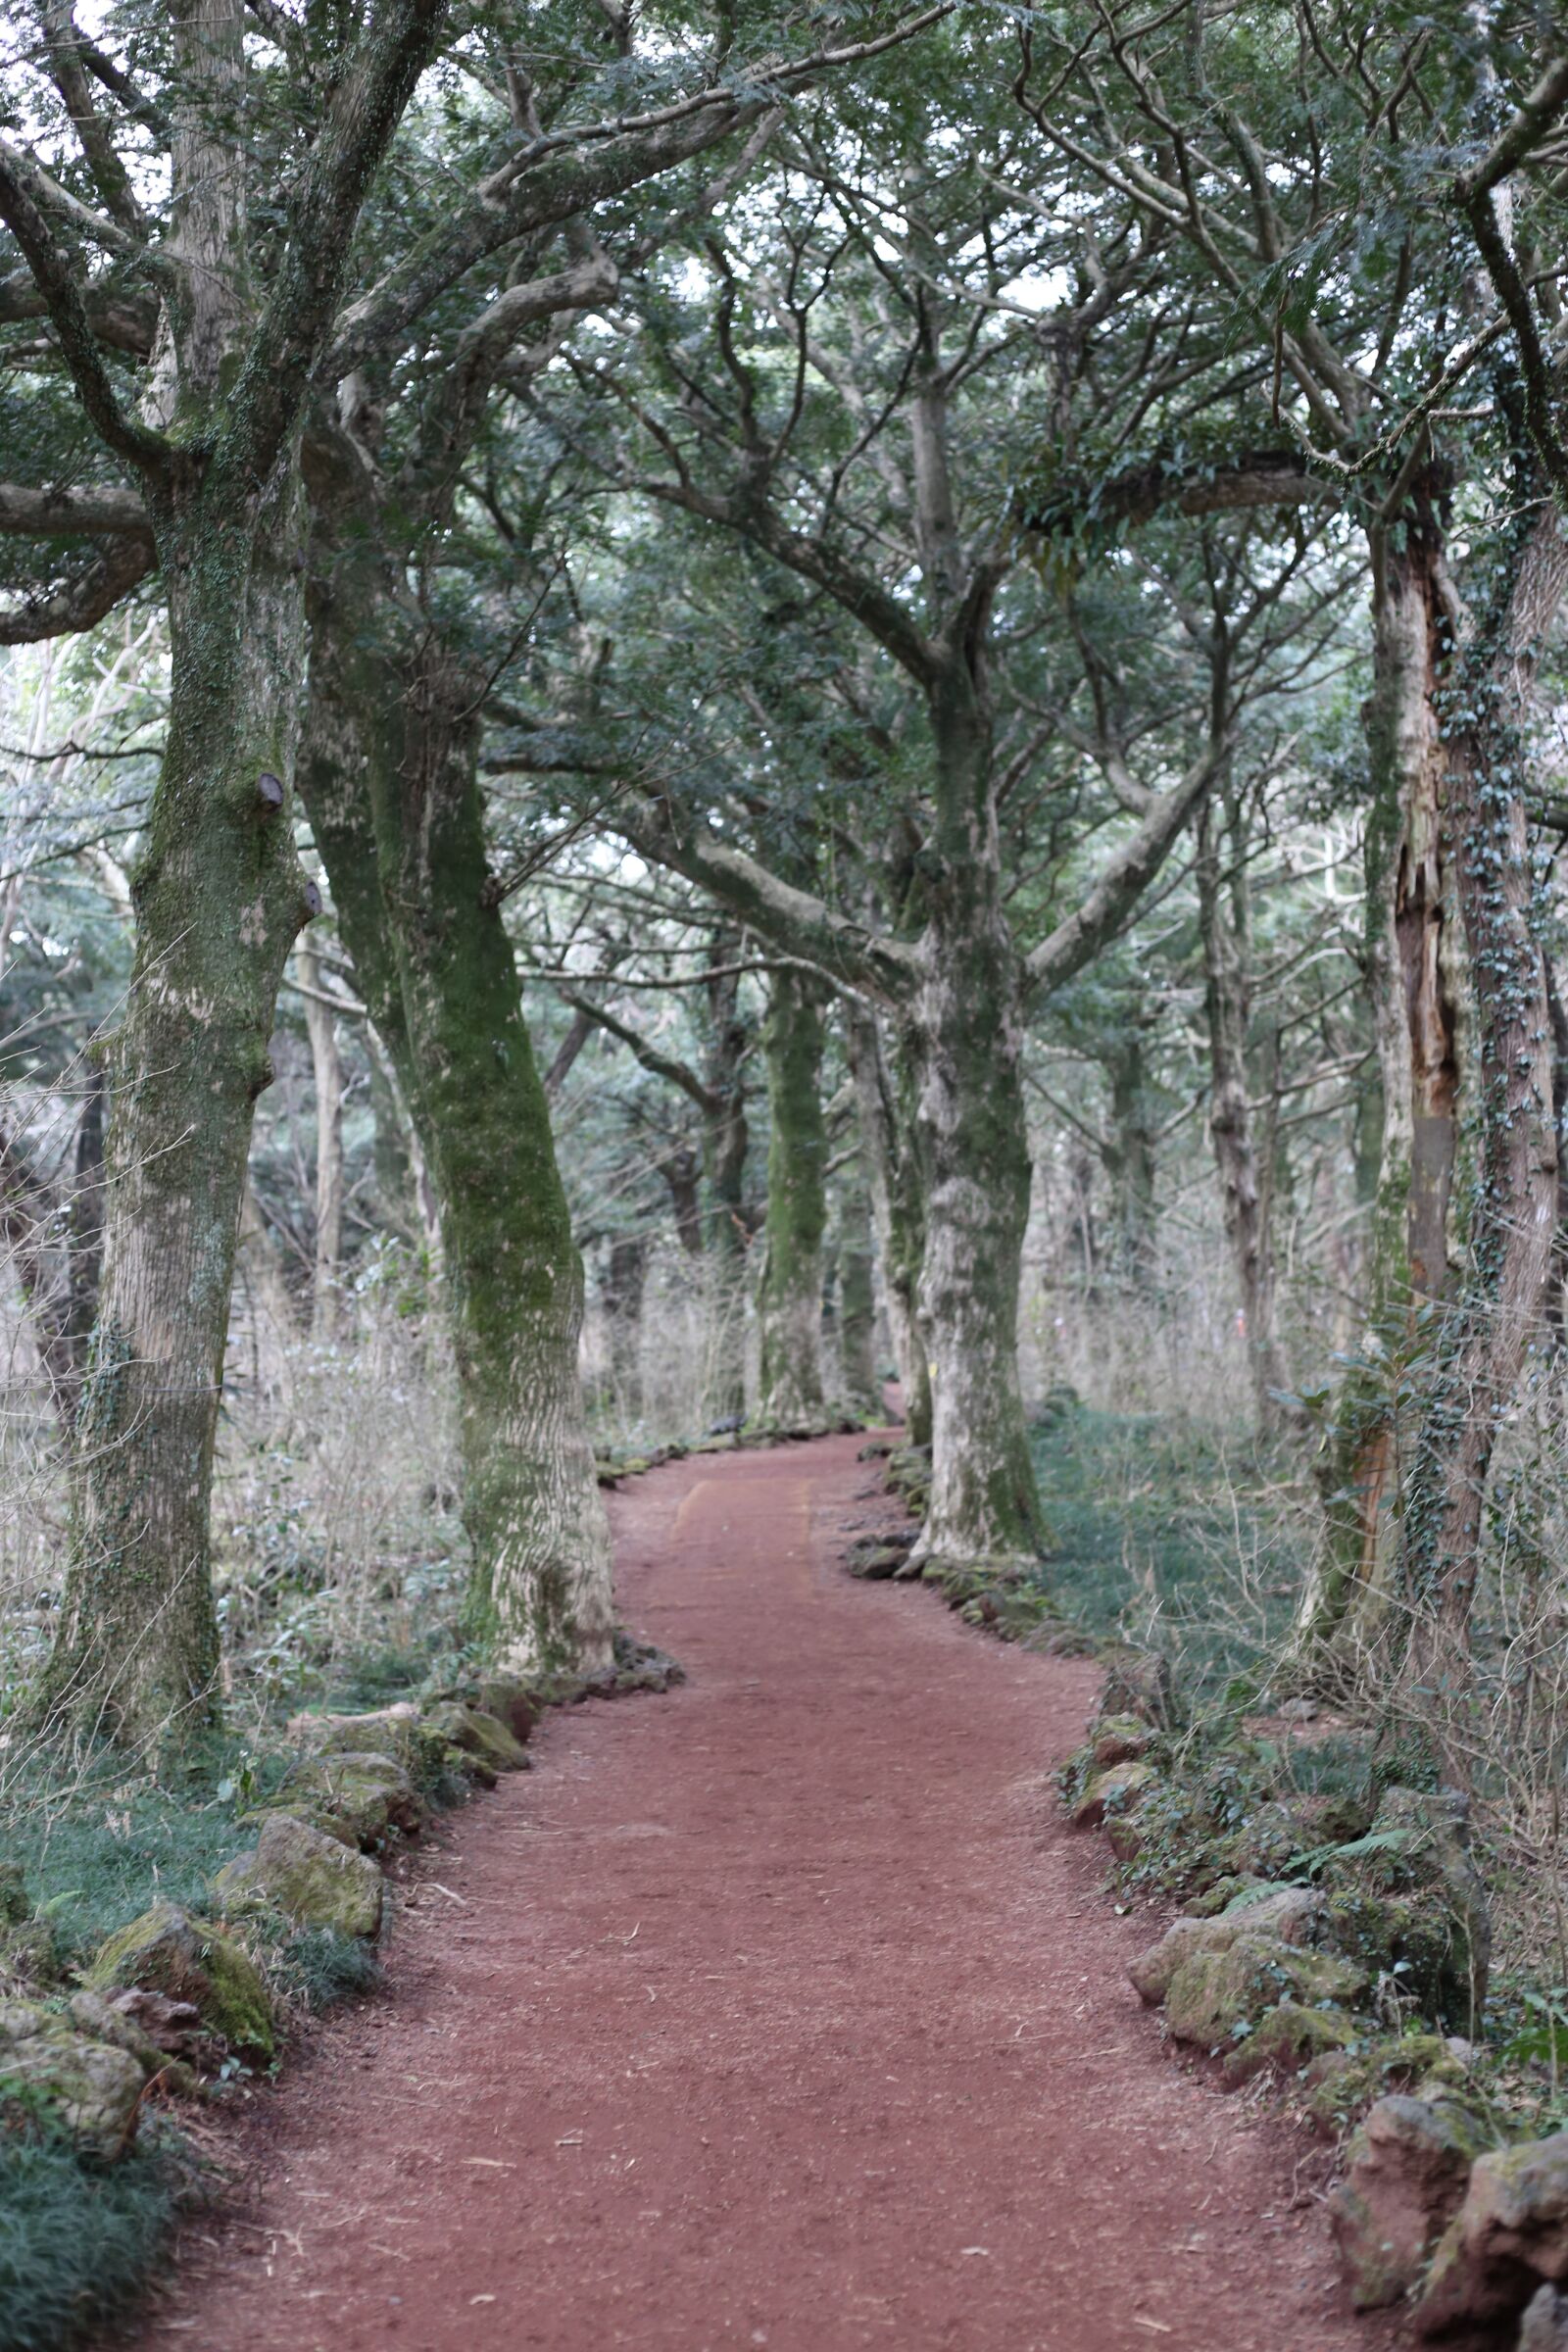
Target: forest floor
column 785, row 2010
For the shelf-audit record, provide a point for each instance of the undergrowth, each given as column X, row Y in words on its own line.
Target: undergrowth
column 78, row 2245
column 1165, row 1536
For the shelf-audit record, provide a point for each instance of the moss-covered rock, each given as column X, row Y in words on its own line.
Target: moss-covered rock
column 1341, row 2088
column 104, row 2020
column 1215, row 1998
column 314, row 1881
column 190, row 1960
column 399, row 1732
column 1288, row 2037
column 512, row 1700
column 369, row 1793
column 1010, row 1611
column 1117, row 1791
column 1293, row 1915
column 1410, row 2164
column 1120, row 1739
column 1509, row 2233
column 478, row 1736
column 86, row 2087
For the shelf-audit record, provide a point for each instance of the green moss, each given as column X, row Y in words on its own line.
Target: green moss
column 190, row 1960
column 1288, row 2035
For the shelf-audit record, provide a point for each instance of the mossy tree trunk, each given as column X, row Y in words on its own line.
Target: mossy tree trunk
column 1130, row 1160
column 390, row 779
column 898, row 1202
column 219, row 895
column 541, row 1584
column 789, row 1290
column 967, row 1036
column 725, row 1144
column 1493, row 1313
column 1353, row 1603
column 1225, row 928
column 856, row 1297
column 218, row 892
column 326, row 1064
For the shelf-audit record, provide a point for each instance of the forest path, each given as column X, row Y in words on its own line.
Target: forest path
column 782, row 2011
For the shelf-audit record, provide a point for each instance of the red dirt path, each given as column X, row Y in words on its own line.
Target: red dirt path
column 782, row 2011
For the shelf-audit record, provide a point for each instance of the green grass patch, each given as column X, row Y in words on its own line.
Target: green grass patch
column 1163, row 1536
column 322, row 1967
column 99, row 1848
column 78, row 2246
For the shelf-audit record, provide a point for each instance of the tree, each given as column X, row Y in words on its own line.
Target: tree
column 213, row 467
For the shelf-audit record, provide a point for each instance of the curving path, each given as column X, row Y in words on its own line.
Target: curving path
column 782, row 2011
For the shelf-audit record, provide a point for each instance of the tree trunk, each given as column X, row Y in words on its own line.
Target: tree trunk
column 725, row 1142
column 897, row 1207
column 621, row 1296
column 391, row 783
column 967, row 1032
column 789, row 1295
column 861, row 1389
column 681, row 1170
column 219, row 895
column 540, row 1581
column 327, row 1067
column 1132, row 1162
column 1243, row 1184
column 1489, row 1324
column 1352, row 1602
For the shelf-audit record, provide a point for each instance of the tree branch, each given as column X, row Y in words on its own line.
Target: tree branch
column 1115, row 893
column 367, row 105
column 83, row 601
column 794, row 920
column 61, row 287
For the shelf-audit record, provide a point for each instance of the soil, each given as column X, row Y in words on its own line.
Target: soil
column 784, row 2010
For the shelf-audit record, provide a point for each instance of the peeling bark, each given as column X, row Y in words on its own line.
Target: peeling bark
column 1351, row 1601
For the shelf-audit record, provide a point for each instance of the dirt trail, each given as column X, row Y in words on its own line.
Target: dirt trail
column 782, row 2011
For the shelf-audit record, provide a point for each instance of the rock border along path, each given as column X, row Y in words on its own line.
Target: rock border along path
column 784, row 2010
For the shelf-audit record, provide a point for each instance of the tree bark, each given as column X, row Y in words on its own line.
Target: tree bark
column 389, row 777
column 897, row 1205
column 789, row 1290
column 219, row 895
column 857, row 1298
column 541, row 1578
column 1224, row 925
column 966, row 1032
column 1131, row 1163
column 327, row 1068
column 725, row 1143
column 621, row 1296
column 1489, row 1323
column 1352, row 1604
